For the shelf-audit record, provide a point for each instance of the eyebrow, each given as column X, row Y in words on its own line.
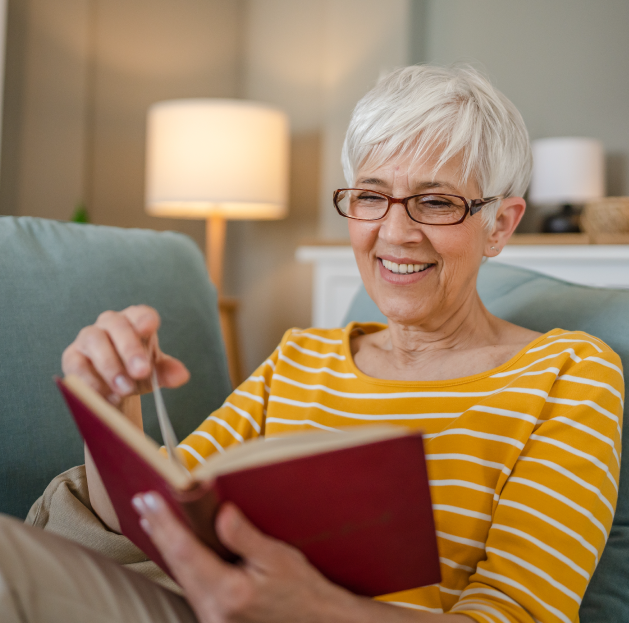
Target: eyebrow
column 437, row 184
column 374, row 181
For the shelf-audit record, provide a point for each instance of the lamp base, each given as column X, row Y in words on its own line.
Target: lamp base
column 566, row 221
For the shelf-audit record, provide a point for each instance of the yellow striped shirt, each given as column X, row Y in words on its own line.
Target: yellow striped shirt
column 523, row 460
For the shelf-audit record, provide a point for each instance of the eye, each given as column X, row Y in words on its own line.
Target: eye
column 436, row 203
column 370, row 197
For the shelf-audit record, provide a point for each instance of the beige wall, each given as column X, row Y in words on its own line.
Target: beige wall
column 146, row 51
column 80, row 76
column 44, row 113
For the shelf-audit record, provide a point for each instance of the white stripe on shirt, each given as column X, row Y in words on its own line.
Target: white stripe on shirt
column 202, row 433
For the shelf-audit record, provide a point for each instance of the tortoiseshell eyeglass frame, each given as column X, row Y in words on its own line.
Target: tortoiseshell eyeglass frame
column 472, row 206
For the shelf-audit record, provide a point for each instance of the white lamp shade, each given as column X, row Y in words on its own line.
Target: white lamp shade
column 223, row 157
column 567, row 170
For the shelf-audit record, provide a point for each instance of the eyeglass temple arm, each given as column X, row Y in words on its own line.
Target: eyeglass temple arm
column 477, row 204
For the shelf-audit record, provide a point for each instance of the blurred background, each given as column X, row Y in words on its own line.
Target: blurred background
column 79, row 76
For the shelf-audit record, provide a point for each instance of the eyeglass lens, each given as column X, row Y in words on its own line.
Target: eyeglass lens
column 429, row 209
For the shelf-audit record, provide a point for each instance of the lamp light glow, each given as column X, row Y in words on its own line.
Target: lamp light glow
column 216, row 157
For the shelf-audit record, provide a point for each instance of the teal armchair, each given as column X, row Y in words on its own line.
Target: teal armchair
column 542, row 303
column 55, row 278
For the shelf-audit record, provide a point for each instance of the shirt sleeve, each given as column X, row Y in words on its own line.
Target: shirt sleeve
column 240, row 417
column 552, row 517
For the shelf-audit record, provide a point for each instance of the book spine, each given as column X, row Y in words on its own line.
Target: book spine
column 200, row 505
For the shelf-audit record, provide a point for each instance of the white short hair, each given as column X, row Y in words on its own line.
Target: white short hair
column 456, row 109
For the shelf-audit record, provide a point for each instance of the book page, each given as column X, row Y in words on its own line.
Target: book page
column 263, row 451
column 130, row 434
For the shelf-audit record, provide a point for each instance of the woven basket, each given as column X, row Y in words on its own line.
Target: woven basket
column 606, row 217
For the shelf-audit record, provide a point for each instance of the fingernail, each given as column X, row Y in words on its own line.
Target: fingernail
column 123, row 384
column 146, row 526
column 151, row 502
column 138, row 504
column 138, row 365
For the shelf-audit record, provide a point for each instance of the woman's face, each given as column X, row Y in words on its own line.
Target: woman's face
column 450, row 256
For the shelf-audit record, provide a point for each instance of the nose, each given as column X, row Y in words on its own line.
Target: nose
column 397, row 227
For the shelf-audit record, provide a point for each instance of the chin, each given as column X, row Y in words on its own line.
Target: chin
column 402, row 311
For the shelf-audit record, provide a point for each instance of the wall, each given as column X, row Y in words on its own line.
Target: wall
column 44, row 107
column 80, row 76
column 146, row 51
column 565, row 64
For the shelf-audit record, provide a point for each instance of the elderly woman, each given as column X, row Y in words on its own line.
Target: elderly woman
column 522, row 429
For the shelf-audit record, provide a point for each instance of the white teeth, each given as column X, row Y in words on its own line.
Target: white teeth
column 404, row 269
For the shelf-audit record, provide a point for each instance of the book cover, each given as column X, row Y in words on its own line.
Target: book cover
column 362, row 515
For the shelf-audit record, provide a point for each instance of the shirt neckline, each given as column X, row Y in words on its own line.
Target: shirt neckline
column 349, row 360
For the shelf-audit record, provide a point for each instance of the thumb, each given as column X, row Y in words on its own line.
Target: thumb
column 240, row 536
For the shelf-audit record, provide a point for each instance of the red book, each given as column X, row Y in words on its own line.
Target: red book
column 356, row 503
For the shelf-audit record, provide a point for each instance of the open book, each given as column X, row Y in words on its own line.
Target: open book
column 356, row 502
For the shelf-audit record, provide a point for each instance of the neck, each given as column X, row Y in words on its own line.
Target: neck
column 461, row 327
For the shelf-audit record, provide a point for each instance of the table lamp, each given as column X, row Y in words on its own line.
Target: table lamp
column 217, row 159
column 567, row 171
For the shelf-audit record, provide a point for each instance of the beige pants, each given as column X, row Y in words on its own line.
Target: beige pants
column 46, row 578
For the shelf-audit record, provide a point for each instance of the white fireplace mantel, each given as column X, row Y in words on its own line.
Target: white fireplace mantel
column 336, row 278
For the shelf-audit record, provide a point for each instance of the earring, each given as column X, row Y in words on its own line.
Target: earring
column 493, row 248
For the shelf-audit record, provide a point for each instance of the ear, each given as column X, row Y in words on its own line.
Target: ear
column 509, row 215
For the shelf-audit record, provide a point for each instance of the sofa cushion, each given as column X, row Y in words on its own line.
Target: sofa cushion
column 55, row 278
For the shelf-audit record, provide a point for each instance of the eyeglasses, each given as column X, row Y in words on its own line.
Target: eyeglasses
column 428, row 209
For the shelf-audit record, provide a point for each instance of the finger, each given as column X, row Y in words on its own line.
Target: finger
column 171, row 372
column 74, row 362
column 240, row 536
column 94, row 343
column 127, row 342
column 144, row 319
column 194, row 565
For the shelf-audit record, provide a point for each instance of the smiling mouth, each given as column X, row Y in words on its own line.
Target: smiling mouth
column 404, row 269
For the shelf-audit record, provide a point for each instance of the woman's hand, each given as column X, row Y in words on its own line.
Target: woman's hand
column 112, row 357
column 274, row 582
